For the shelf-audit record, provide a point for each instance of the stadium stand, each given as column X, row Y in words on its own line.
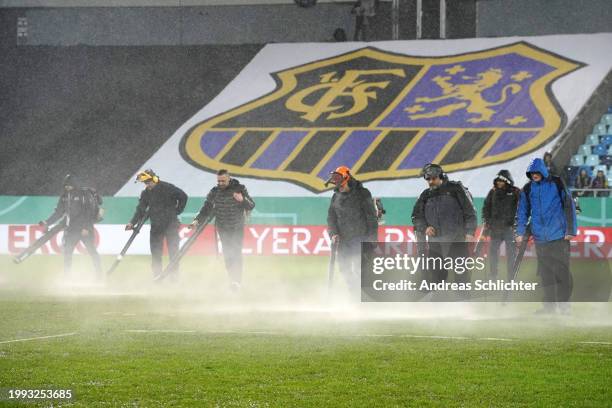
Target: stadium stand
column 594, row 156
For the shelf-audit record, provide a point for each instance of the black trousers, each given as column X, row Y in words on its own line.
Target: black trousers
column 349, row 263
column 156, row 240
column 231, row 241
column 554, row 270
column 506, row 235
column 362, row 25
column 448, row 250
column 71, row 238
column 444, row 250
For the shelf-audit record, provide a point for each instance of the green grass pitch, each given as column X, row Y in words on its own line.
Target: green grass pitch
column 282, row 342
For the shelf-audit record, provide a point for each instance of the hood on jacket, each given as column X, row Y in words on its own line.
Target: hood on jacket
column 537, row 166
column 70, row 180
column 504, row 175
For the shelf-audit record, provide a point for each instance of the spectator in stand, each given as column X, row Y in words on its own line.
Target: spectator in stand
column 600, row 182
column 582, row 182
column 552, row 169
column 363, row 10
column 339, row 35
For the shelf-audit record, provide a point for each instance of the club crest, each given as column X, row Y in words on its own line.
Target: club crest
column 385, row 115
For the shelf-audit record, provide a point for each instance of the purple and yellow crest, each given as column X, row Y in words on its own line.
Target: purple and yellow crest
column 385, row 115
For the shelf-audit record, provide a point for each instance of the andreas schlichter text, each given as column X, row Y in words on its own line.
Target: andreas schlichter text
column 478, row 285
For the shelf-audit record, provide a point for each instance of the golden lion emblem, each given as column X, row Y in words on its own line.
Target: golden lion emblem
column 469, row 96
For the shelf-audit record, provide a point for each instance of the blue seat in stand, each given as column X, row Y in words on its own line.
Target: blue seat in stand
column 600, row 150
column 600, row 129
column 592, row 160
column 577, row 160
column 606, row 140
column 584, row 150
column 592, row 139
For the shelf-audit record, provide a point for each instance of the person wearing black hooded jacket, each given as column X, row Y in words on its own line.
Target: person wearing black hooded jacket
column 351, row 220
column 498, row 214
column 80, row 208
column 229, row 202
column 162, row 202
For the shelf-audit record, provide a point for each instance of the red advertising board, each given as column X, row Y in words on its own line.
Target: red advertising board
column 259, row 239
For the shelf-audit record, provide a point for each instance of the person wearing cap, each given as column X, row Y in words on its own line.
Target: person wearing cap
column 351, row 220
column 229, row 202
column 547, row 206
column 163, row 202
column 445, row 216
column 498, row 214
column 80, row 208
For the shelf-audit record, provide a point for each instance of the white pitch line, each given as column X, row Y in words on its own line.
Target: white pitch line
column 434, row 337
column 607, row 343
column 357, row 335
column 269, row 333
column 259, row 333
column 160, row 331
column 39, row 338
column 493, row 339
column 244, row 332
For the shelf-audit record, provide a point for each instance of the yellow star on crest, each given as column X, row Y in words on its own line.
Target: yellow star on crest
column 414, row 109
column 516, row 120
column 520, row 76
column 455, row 69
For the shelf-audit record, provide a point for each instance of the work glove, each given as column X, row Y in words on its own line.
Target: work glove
column 44, row 225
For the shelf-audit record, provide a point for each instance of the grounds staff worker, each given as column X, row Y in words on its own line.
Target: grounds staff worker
column 228, row 202
column 553, row 224
column 81, row 208
column 498, row 215
column 351, row 220
column 444, row 213
column 164, row 202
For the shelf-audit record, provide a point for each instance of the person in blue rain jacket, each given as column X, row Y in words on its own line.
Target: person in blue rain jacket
column 547, row 208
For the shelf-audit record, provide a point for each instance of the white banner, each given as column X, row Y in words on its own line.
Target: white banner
column 475, row 105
